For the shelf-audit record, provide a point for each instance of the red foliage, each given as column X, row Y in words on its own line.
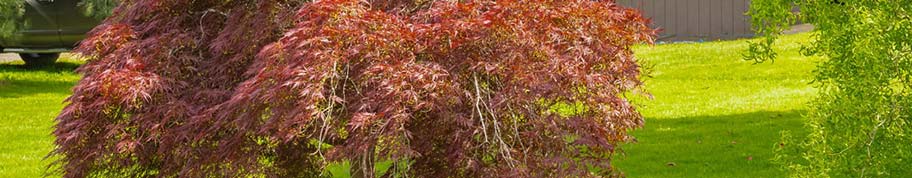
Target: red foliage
column 449, row 89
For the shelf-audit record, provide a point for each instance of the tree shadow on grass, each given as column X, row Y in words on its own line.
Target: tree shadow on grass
column 710, row 146
column 17, row 80
column 62, row 66
column 729, row 124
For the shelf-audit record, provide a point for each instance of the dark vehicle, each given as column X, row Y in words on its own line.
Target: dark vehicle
column 51, row 27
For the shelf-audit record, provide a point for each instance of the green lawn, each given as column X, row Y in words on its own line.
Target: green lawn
column 713, row 115
column 29, row 101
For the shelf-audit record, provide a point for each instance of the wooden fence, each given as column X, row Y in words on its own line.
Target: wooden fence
column 692, row 20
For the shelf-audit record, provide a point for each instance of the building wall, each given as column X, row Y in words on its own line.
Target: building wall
column 689, row 20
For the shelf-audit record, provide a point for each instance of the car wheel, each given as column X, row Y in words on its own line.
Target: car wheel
column 39, row 59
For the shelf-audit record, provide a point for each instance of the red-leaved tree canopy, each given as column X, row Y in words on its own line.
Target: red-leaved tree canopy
column 283, row 88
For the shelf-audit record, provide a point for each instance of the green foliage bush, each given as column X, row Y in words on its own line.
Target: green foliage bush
column 10, row 12
column 98, row 8
column 860, row 124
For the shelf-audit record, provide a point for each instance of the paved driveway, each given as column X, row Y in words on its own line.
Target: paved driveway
column 7, row 57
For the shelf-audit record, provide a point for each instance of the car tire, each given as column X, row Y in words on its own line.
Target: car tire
column 39, row 59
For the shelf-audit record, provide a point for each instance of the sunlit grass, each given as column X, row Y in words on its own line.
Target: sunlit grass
column 30, row 98
column 715, row 115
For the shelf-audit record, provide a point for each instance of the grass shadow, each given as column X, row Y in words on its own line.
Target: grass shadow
column 18, row 80
column 62, row 66
column 717, row 145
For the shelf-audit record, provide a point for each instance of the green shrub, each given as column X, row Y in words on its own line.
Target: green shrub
column 10, row 12
column 860, row 124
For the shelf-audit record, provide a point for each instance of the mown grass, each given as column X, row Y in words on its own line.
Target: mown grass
column 713, row 114
column 30, row 98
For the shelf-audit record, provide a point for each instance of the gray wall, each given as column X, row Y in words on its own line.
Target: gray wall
column 696, row 19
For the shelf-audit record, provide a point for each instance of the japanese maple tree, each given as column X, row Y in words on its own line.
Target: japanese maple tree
column 282, row 88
